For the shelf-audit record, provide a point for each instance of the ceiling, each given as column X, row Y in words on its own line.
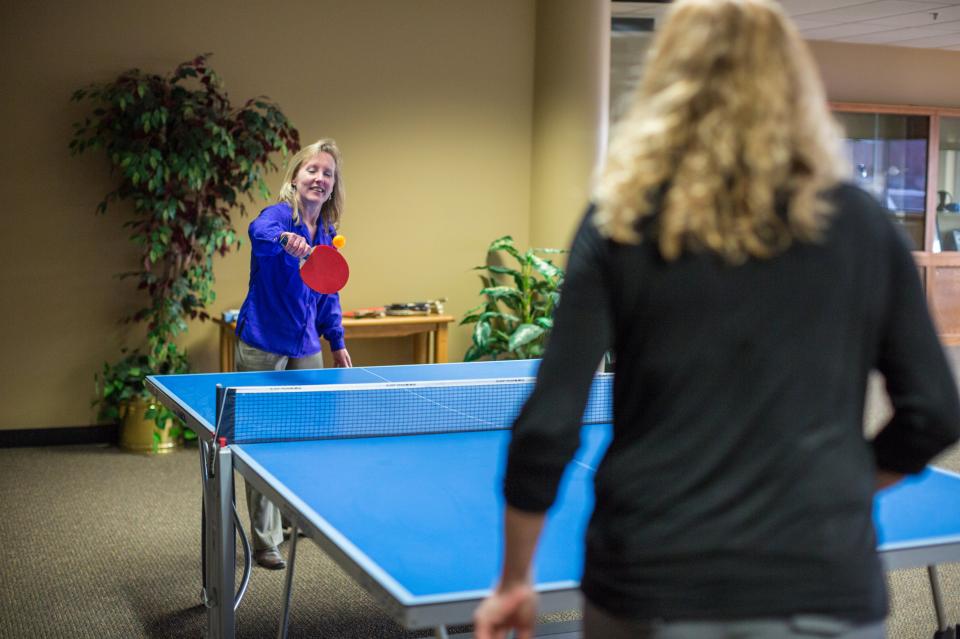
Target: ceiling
column 926, row 24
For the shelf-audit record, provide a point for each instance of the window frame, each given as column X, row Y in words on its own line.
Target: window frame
column 933, row 153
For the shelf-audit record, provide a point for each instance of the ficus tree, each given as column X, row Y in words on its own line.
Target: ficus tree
column 183, row 158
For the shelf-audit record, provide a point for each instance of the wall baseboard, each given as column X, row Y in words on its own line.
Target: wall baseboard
column 101, row 434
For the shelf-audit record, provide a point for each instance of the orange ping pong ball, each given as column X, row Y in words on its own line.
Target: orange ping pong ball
column 339, row 241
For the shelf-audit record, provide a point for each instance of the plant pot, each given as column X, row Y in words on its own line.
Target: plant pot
column 136, row 431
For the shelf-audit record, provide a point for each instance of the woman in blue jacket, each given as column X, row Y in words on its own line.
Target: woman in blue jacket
column 281, row 320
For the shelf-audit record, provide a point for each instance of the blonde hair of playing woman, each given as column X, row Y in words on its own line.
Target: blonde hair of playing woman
column 331, row 210
column 728, row 124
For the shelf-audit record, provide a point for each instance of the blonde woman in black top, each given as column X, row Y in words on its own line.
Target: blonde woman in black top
column 747, row 293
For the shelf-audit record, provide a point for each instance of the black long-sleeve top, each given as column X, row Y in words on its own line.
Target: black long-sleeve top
column 738, row 482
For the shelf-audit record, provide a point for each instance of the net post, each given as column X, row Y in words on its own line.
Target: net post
column 218, row 415
column 225, row 415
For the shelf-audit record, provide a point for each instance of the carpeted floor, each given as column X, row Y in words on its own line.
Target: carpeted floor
column 99, row 543
column 102, row 543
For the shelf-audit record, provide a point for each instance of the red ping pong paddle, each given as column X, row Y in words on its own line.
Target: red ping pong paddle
column 325, row 270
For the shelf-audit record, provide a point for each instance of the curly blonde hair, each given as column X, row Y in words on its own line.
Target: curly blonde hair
column 332, row 209
column 728, row 124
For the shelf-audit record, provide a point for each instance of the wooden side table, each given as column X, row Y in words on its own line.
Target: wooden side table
column 426, row 330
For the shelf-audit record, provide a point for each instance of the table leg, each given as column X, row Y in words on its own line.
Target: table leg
column 421, row 351
column 937, row 601
column 203, row 524
column 288, row 588
column 220, row 546
column 225, row 349
column 440, row 344
column 231, row 351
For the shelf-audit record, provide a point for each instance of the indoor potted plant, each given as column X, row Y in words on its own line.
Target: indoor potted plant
column 123, row 398
column 514, row 321
column 182, row 156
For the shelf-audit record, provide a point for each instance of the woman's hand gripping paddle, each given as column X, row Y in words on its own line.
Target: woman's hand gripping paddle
column 325, row 270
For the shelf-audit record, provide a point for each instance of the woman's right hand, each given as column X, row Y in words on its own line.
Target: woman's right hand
column 507, row 608
column 295, row 245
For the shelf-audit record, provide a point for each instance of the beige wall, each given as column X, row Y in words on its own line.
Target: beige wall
column 430, row 100
column 569, row 119
column 459, row 121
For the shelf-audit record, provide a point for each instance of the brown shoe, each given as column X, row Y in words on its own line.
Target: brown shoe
column 269, row 558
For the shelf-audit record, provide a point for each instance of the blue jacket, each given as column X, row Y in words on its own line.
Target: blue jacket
column 281, row 314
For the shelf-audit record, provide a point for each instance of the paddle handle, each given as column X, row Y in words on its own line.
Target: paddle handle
column 283, row 243
column 283, row 240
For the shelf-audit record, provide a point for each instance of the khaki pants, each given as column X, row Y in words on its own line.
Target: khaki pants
column 598, row 624
column 266, row 524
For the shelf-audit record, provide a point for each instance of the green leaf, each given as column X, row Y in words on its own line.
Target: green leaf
column 481, row 334
column 500, row 243
column 476, row 308
column 501, row 292
column 544, row 267
column 500, row 270
column 473, row 353
column 504, row 243
column 524, row 334
column 498, row 315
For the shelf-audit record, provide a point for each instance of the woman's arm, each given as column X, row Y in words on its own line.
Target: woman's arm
column 547, row 432
column 921, row 386
column 266, row 228
column 514, row 603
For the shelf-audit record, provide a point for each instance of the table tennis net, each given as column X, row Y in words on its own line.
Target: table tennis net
column 293, row 413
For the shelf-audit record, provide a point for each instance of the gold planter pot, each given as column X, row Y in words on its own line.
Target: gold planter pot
column 136, row 431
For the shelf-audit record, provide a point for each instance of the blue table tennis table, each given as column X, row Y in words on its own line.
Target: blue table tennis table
column 415, row 519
